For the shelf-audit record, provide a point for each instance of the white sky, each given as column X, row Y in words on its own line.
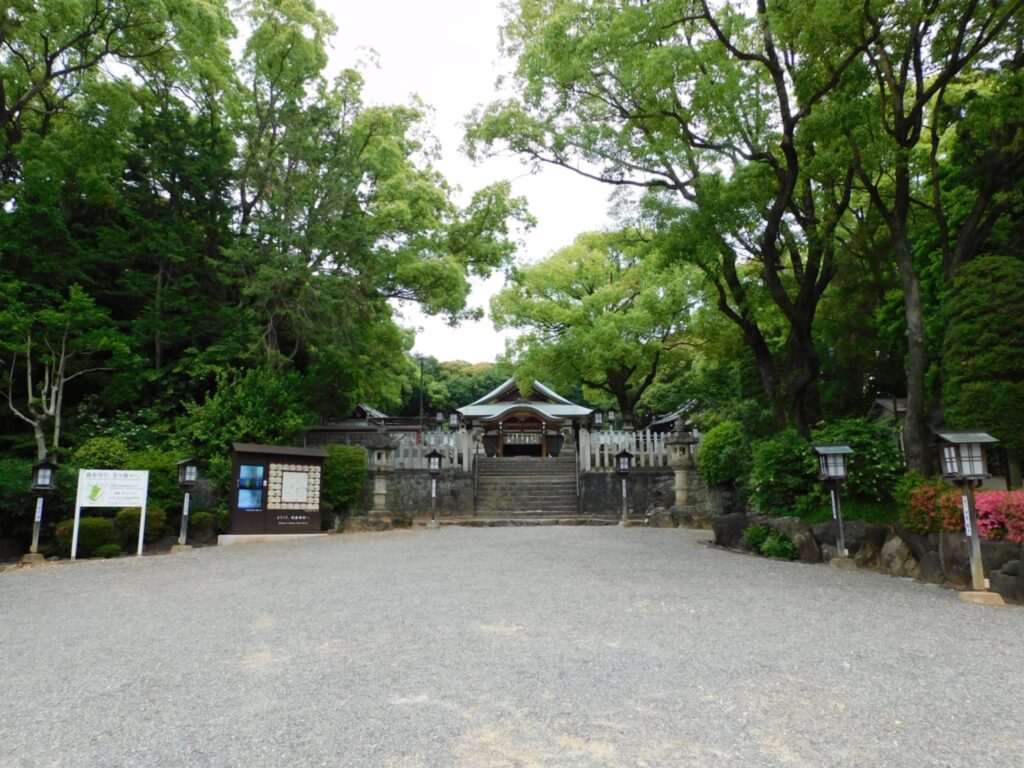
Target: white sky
column 446, row 51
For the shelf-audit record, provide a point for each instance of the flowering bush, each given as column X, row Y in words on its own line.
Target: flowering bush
column 936, row 507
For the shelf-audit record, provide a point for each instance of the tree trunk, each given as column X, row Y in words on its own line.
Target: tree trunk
column 915, row 439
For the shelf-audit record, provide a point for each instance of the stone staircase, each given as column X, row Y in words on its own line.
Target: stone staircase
column 523, row 488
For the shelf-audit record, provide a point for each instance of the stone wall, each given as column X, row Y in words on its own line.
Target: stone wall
column 938, row 558
column 409, row 493
column 648, row 490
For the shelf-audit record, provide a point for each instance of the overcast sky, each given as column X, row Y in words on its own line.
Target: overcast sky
column 446, row 51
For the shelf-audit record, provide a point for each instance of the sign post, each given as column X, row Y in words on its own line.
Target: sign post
column 111, row 488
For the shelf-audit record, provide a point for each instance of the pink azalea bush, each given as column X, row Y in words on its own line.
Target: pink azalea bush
column 936, row 508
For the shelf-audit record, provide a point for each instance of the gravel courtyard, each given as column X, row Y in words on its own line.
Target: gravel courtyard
column 545, row 646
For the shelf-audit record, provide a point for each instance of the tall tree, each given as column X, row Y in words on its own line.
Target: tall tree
column 915, row 51
column 721, row 114
column 601, row 312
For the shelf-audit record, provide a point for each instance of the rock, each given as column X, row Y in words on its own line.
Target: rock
column 919, row 543
column 877, row 534
column 659, row 517
column 1010, row 587
column 807, row 547
column 930, row 568
column 853, row 534
column 896, row 557
column 996, row 554
column 955, row 554
column 867, row 554
column 729, row 529
column 361, row 524
column 828, row 552
column 1012, row 568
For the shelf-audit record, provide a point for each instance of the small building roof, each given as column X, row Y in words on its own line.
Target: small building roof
column 279, row 450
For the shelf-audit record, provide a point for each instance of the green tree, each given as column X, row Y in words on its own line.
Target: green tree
column 600, row 312
column 984, row 368
column 726, row 119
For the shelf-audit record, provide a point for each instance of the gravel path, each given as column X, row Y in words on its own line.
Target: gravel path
column 567, row 646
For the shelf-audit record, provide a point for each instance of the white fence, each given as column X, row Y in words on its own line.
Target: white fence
column 598, row 449
column 409, row 455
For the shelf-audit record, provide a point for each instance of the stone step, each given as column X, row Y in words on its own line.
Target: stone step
column 518, row 521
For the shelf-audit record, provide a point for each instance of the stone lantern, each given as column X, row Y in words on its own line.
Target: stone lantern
column 682, row 446
column 382, row 463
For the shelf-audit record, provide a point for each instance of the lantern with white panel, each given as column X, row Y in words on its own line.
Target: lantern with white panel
column 964, row 462
column 833, row 471
column 623, row 464
column 188, row 476
column 44, row 480
column 434, row 467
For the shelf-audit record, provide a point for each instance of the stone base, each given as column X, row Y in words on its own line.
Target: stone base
column 227, row 540
column 181, row 548
column 433, row 524
column 32, row 558
column 625, row 524
column 984, row 598
column 843, row 563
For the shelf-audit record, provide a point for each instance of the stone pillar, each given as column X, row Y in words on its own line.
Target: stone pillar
column 584, row 449
column 382, row 463
column 466, row 446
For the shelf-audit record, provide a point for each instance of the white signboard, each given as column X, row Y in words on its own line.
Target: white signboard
column 111, row 488
column 294, row 487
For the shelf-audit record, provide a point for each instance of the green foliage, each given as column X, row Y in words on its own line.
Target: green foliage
column 783, row 471
column 779, row 545
column 126, row 523
column 16, row 502
column 605, row 311
column 724, row 455
column 257, row 406
column 982, row 350
column 93, row 533
column 755, row 536
column 101, row 453
column 876, row 463
column 202, row 526
column 343, row 475
column 163, row 490
column 108, row 551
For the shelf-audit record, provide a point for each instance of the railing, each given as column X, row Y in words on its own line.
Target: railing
column 411, row 456
column 648, row 448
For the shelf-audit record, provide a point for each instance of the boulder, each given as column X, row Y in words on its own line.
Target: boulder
column 828, row 552
column 1012, row 568
column 659, row 517
column 1010, row 587
column 807, row 547
column 867, row 554
column 360, row 524
column 919, row 543
column 854, row 533
column 996, row 554
column 897, row 559
column 955, row 554
column 930, row 568
column 729, row 529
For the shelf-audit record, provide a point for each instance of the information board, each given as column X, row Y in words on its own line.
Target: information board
column 111, row 488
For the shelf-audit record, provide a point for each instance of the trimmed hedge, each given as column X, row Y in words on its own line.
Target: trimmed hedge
column 93, row 533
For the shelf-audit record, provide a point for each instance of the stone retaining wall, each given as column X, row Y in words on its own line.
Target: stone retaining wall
column 938, row 558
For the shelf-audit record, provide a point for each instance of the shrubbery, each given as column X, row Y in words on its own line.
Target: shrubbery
column 724, row 456
column 108, row 551
column 127, row 525
column 784, row 470
column 764, row 541
column 101, row 453
column 343, row 476
column 936, row 507
column 93, row 533
column 875, row 466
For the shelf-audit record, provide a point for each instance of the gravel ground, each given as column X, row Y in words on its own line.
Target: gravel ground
column 567, row 646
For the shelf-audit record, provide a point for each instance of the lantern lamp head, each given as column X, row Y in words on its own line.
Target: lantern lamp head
column 188, row 472
column 623, row 461
column 598, row 418
column 44, row 476
column 963, row 454
column 832, row 462
column 611, row 416
column 453, row 421
column 434, row 462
